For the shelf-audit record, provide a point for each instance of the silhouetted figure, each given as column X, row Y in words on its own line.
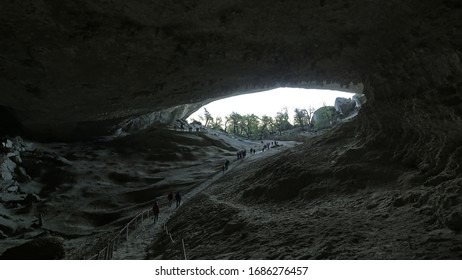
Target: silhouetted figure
column 178, row 199
column 170, row 199
column 227, row 164
column 155, row 211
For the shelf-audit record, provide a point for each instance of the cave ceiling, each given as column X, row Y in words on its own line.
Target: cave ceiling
column 73, row 66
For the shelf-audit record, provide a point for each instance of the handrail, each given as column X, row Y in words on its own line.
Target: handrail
column 106, row 253
column 173, row 241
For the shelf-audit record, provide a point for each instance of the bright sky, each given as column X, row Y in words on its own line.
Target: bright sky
column 270, row 102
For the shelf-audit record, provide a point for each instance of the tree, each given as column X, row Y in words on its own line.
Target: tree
column 266, row 126
column 217, row 124
column 234, row 119
column 249, row 125
column 302, row 117
column 309, row 114
column 207, row 118
column 282, row 121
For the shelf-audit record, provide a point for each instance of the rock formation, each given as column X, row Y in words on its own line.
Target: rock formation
column 344, row 105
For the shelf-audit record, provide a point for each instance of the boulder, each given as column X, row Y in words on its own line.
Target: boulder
column 360, row 99
column 12, row 188
column 45, row 248
column 8, row 144
column 180, row 124
column 29, row 147
column 344, row 105
column 7, row 167
column 15, row 157
column 324, row 117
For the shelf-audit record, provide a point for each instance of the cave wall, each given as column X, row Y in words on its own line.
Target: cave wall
column 65, row 64
column 72, row 68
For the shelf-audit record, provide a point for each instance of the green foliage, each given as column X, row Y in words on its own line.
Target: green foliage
column 323, row 117
column 206, row 118
column 302, row 117
column 255, row 127
column 282, row 121
column 217, row 124
column 267, row 126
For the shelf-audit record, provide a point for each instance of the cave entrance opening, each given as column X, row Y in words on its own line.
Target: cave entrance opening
column 278, row 111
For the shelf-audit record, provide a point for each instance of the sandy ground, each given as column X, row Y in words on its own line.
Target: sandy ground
column 89, row 191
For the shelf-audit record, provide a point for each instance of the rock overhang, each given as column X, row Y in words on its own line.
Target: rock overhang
column 82, row 69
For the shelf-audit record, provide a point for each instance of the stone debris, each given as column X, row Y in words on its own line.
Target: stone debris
column 7, row 167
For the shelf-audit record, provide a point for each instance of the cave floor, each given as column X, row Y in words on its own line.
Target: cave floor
column 337, row 213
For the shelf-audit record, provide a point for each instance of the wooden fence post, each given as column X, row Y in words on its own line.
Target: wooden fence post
column 184, row 250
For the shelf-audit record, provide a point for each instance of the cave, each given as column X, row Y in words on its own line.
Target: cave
column 386, row 185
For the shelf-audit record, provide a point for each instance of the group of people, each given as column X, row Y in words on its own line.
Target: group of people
column 170, row 196
column 268, row 145
column 241, row 154
column 225, row 166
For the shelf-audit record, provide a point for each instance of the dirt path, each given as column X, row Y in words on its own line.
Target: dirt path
column 147, row 232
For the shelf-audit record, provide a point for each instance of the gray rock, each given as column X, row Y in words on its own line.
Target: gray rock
column 344, row 105
column 30, row 147
column 359, row 99
column 7, row 167
column 13, row 188
column 8, row 144
column 2, row 235
column 15, row 157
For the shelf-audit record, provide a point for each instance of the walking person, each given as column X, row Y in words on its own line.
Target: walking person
column 178, row 199
column 155, row 211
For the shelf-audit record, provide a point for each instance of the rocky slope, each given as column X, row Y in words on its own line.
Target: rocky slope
column 327, row 199
column 78, row 195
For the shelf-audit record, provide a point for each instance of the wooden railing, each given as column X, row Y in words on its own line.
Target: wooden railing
column 107, row 252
